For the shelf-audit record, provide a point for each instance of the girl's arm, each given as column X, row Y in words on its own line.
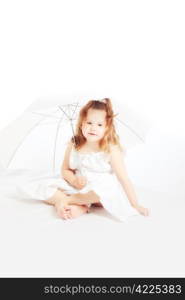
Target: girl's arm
column 118, row 166
column 66, row 172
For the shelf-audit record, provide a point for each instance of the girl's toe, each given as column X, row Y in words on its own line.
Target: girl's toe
column 68, row 214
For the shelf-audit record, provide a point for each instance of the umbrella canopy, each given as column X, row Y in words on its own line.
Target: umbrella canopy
column 38, row 138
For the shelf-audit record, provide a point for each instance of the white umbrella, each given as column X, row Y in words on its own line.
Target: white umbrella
column 37, row 140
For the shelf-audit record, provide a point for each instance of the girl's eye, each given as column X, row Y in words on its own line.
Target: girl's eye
column 91, row 123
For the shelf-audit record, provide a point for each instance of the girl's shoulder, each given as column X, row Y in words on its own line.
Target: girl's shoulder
column 69, row 147
column 114, row 148
column 70, row 144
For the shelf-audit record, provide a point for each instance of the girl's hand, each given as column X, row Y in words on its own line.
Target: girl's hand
column 79, row 182
column 142, row 210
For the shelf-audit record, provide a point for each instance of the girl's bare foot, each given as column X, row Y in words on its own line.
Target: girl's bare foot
column 77, row 210
column 62, row 207
column 66, row 211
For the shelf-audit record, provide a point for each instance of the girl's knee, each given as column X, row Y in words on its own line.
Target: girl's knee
column 55, row 196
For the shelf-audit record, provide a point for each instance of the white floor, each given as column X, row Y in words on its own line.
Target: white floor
column 36, row 243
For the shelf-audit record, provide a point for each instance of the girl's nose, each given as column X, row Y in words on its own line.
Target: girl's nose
column 92, row 126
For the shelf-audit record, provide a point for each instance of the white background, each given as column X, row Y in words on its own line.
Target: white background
column 133, row 50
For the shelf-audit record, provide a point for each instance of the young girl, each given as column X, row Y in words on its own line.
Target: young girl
column 93, row 169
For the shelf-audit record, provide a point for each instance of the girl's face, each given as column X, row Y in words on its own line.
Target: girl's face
column 94, row 126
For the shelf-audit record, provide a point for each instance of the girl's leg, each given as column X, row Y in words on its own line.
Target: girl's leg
column 56, row 196
column 87, row 198
column 79, row 199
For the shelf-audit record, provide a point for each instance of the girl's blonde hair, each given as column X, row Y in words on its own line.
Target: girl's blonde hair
column 110, row 136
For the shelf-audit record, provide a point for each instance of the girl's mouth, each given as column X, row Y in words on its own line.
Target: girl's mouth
column 92, row 134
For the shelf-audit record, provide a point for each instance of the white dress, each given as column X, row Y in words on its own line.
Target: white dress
column 95, row 166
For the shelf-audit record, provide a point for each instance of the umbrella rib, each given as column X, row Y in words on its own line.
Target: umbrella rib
column 73, row 132
column 72, row 124
column 64, row 113
column 56, row 137
column 68, row 106
column 58, row 131
column 70, row 119
column 54, row 117
column 133, row 131
column 75, row 108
